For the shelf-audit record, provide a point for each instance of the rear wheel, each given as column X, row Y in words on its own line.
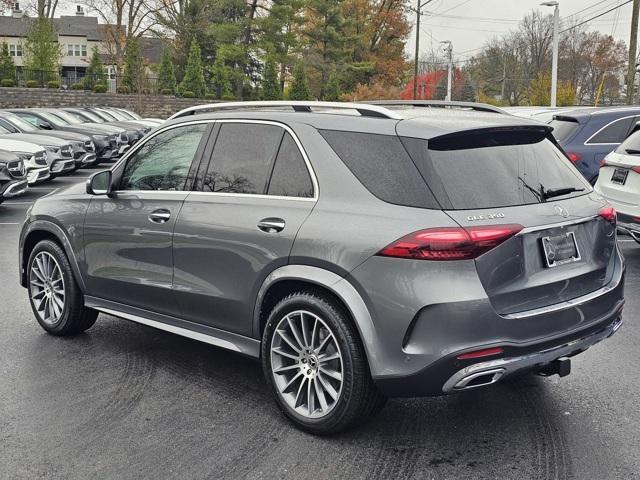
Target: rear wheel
column 55, row 298
column 315, row 364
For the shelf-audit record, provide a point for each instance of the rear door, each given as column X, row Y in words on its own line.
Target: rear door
column 254, row 194
column 129, row 234
column 564, row 249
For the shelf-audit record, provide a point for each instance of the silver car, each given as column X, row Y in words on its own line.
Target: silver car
column 361, row 251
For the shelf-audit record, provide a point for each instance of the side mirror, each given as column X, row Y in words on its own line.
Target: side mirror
column 44, row 125
column 99, row 183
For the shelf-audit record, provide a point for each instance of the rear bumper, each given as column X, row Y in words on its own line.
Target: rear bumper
column 494, row 370
column 440, row 334
column 629, row 225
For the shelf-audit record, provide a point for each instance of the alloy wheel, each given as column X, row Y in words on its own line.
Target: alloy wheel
column 46, row 287
column 306, row 363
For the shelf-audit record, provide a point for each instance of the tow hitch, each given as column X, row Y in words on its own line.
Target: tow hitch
column 561, row 367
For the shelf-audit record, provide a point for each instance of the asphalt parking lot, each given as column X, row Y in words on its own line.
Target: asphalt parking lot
column 128, row 401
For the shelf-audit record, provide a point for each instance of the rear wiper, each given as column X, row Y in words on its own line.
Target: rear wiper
column 558, row 192
column 632, row 151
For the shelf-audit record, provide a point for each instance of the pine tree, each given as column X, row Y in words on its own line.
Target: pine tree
column 166, row 73
column 193, row 80
column 332, row 90
column 467, row 93
column 220, row 79
column 327, row 46
column 134, row 74
column 42, row 52
column 94, row 74
column 299, row 89
column 270, row 83
column 7, row 67
column 441, row 89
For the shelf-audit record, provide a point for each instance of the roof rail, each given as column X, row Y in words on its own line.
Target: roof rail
column 363, row 109
column 480, row 107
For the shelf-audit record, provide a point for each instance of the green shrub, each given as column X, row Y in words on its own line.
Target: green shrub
column 123, row 89
column 100, row 88
column 7, row 82
column 53, row 84
column 166, row 91
column 209, row 96
column 229, row 98
column 189, row 94
column 32, row 84
column 77, row 86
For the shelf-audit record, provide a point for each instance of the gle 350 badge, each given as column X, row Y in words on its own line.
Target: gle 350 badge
column 488, row 216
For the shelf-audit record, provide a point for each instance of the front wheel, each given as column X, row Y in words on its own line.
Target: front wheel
column 55, row 298
column 315, row 365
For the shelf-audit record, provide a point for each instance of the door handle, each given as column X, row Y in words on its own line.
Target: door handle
column 271, row 225
column 160, row 216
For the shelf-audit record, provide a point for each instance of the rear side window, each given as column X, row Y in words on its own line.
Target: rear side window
column 290, row 177
column 615, row 132
column 564, row 129
column 383, row 166
column 494, row 169
column 242, row 158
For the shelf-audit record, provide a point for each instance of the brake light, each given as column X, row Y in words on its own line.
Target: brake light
column 636, row 169
column 450, row 243
column 608, row 213
column 574, row 157
column 603, row 162
column 487, row 352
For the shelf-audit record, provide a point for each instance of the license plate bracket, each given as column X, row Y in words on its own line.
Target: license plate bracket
column 560, row 249
column 620, row 176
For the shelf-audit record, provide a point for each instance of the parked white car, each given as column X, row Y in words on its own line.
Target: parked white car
column 619, row 183
column 34, row 158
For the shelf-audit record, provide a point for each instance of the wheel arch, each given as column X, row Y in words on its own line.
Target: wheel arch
column 42, row 230
column 289, row 278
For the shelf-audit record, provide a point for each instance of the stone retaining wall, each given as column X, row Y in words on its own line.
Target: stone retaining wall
column 161, row 106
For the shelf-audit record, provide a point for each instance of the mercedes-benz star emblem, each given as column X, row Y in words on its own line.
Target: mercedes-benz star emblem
column 561, row 211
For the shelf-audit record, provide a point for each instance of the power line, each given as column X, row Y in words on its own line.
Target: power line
column 595, row 16
column 452, row 8
column 587, row 8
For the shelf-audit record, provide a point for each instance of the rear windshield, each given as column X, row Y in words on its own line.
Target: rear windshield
column 563, row 129
column 631, row 145
column 494, row 169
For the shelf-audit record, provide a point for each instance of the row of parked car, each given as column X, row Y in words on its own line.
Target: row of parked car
column 604, row 144
column 39, row 144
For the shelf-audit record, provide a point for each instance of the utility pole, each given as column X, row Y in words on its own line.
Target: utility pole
column 417, row 54
column 417, row 51
column 633, row 44
column 449, row 49
column 554, row 61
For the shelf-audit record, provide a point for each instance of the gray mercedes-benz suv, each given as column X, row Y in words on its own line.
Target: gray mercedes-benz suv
column 361, row 251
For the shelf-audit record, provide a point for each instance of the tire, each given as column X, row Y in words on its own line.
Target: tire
column 328, row 362
column 49, row 275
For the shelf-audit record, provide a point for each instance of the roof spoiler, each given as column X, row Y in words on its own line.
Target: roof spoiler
column 480, row 107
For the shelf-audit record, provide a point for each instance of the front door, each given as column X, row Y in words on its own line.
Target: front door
column 255, row 194
column 129, row 234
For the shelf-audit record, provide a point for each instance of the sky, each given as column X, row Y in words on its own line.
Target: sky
column 468, row 24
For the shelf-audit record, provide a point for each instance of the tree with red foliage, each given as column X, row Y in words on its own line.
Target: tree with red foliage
column 428, row 83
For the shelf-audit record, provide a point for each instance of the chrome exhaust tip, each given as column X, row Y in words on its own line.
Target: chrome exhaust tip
column 479, row 379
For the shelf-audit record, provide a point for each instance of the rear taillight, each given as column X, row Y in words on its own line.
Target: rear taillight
column 603, row 163
column 450, row 243
column 574, row 157
column 636, row 169
column 608, row 213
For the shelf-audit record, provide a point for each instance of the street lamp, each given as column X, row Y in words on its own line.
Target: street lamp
column 554, row 62
column 449, row 49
